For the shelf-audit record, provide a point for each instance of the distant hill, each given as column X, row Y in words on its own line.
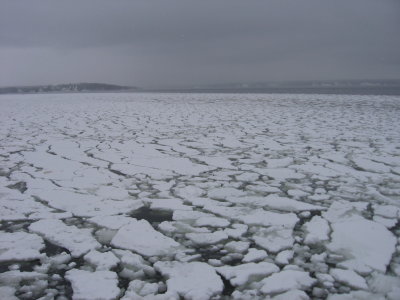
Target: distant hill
column 65, row 88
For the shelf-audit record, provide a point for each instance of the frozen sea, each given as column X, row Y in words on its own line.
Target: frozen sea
column 199, row 196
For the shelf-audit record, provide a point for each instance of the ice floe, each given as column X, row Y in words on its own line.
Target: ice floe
column 285, row 281
column 366, row 245
column 317, row 230
column 101, row 260
column 93, row 285
column 245, row 273
column 140, row 237
column 77, row 241
column 199, row 196
column 194, row 280
column 20, row 246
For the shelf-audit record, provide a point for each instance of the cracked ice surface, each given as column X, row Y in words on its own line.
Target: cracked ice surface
column 199, row 196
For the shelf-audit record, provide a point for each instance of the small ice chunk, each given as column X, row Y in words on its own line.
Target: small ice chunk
column 59, row 259
column 350, row 278
column 110, row 222
column 236, row 231
column 319, row 257
column 189, row 216
column 77, row 241
column 20, row 246
column 203, row 239
column 201, row 202
column 358, row 295
column 274, row 239
column 255, row 255
column 282, row 173
column 101, row 260
column 284, row 257
column 134, row 262
column 242, row 274
column 237, row 246
column 248, row 177
column 387, row 211
column 219, row 162
column 193, row 280
column 371, row 166
column 290, row 205
column 138, row 289
column 267, row 218
column 388, row 223
column 383, row 284
column 285, row 281
column 305, row 214
column 8, row 292
column 279, row 162
column 189, row 191
column 211, row 222
column 179, row 227
column 261, row 188
column 317, row 230
column 99, row 285
column 112, row 192
column 14, row 278
column 341, row 210
column 296, row 193
column 105, row 235
column 292, row 295
column 215, row 262
column 326, row 279
column 140, row 236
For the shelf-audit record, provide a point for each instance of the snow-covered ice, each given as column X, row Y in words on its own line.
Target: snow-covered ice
column 194, row 280
column 255, row 255
column 101, row 260
column 20, row 246
column 99, row 285
column 206, row 238
column 199, row 196
column 77, row 241
column 349, row 277
column 140, row 237
column 285, row 281
column 317, row 230
column 366, row 245
column 245, row 273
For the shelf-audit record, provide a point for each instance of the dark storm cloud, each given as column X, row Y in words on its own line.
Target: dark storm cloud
column 159, row 43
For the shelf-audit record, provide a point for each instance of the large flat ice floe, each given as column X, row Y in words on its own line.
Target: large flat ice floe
column 246, row 273
column 84, row 205
column 285, row 281
column 77, row 241
column 140, row 237
column 193, row 281
column 93, row 285
column 199, row 196
column 20, row 246
column 365, row 244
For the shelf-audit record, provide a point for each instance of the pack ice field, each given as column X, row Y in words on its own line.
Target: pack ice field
column 199, row 196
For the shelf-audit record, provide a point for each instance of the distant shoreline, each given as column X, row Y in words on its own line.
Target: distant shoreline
column 310, row 91
column 389, row 91
column 383, row 89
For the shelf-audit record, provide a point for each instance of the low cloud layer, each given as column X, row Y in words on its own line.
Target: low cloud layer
column 185, row 42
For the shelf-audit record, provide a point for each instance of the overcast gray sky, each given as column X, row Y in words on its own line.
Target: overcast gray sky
column 154, row 43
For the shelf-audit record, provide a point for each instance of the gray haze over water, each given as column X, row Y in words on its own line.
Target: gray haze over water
column 173, row 43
